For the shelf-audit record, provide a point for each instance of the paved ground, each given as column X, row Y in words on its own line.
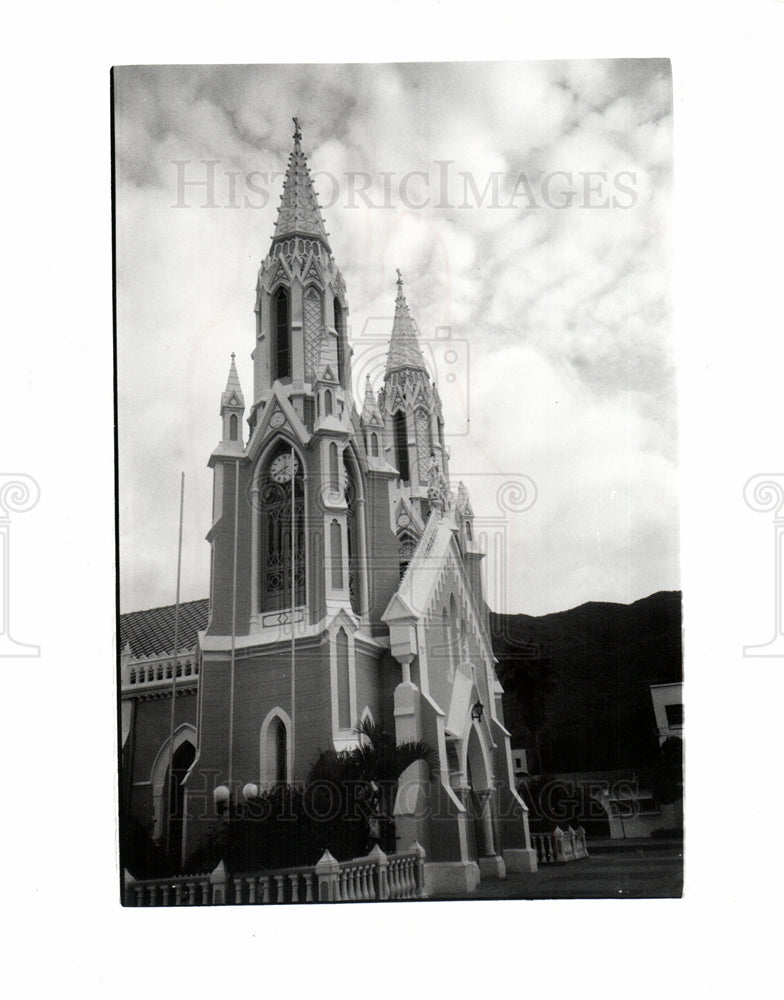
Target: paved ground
column 616, row 875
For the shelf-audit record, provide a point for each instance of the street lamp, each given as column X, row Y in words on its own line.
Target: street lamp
column 476, row 711
column 220, row 796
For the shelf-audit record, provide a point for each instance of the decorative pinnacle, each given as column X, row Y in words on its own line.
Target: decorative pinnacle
column 404, row 349
column 233, row 387
column 297, row 133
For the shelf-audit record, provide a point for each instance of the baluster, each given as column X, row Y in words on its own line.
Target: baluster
column 294, row 879
column 205, row 892
column 366, row 882
column 178, row 894
column 237, row 890
column 409, row 863
column 392, row 877
column 350, row 884
column 309, row 888
column 153, row 895
column 191, row 893
column 251, row 889
column 165, row 894
column 342, row 895
column 371, row 881
column 265, row 888
column 139, row 890
column 404, row 878
column 281, row 891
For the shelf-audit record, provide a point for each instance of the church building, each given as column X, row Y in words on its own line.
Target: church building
column 345, row 584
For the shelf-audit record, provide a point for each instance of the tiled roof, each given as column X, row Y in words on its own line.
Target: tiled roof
column 150, row 633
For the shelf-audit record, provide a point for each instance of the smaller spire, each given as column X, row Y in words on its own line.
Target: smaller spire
column 370, row 405
column 404, row 349
column 233, row 387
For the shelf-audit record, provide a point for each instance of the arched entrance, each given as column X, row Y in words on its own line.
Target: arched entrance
column 182, row 759
column 168, row 797
column 478, row 799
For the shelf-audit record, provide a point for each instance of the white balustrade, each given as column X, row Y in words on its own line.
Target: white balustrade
column 560, row 846
column 376, row 877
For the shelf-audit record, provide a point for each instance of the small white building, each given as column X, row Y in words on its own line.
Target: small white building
column 668, row 709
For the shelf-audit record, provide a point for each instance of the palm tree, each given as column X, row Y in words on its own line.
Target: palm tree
column 368, row 775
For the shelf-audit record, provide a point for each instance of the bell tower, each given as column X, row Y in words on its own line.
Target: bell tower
column 300, row 301
column 412, row 411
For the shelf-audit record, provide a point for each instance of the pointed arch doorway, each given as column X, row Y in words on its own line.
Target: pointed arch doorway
column 479, row 804
column 182, row 759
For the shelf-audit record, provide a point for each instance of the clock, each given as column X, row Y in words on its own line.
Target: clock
column 281, row 469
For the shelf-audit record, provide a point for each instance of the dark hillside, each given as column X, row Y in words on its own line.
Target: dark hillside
column 577, row 682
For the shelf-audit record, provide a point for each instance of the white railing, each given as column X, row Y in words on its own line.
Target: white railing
column 178, row 890
column 159, row 671
column 377, row 877
column 560, row 845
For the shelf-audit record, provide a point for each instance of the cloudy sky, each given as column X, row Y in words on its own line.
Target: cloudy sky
column 528, row 207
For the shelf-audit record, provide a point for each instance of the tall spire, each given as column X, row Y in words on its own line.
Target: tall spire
column 299, row 210
column 404, row 349
column 233, row 388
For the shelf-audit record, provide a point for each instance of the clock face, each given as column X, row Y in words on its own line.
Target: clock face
column 281, row 469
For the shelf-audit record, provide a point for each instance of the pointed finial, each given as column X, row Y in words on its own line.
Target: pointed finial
column 232, row 355
column 399, row 277
column 297, row 133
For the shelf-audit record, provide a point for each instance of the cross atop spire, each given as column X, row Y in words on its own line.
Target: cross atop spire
column 299, row 212
column 404, row 349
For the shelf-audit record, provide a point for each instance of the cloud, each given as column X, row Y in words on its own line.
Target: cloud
column 564, row 313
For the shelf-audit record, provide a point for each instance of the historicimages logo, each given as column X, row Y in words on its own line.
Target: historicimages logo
column 764, row 492
column 18, row 493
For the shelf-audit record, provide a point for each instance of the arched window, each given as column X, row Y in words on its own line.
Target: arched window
column 328, row 403
column 424, row 448
column 281, row 359
column 334, row 482
column 407, row 546
column 275, row 749
column 341, row 349
column 454, row 634
column 278, row 569
column 314, row 325
column 336, row 555
column 401, row 445
column 352, row 524
column 182, row 759
column 344, row 685
column 448, row 646
column 374, row 444
column 233, row 427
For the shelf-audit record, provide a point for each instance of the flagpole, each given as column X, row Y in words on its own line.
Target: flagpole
column 233, row 625
column 174, row 673
column 293, row 596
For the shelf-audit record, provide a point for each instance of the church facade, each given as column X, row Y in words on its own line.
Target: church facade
column 345, row 584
